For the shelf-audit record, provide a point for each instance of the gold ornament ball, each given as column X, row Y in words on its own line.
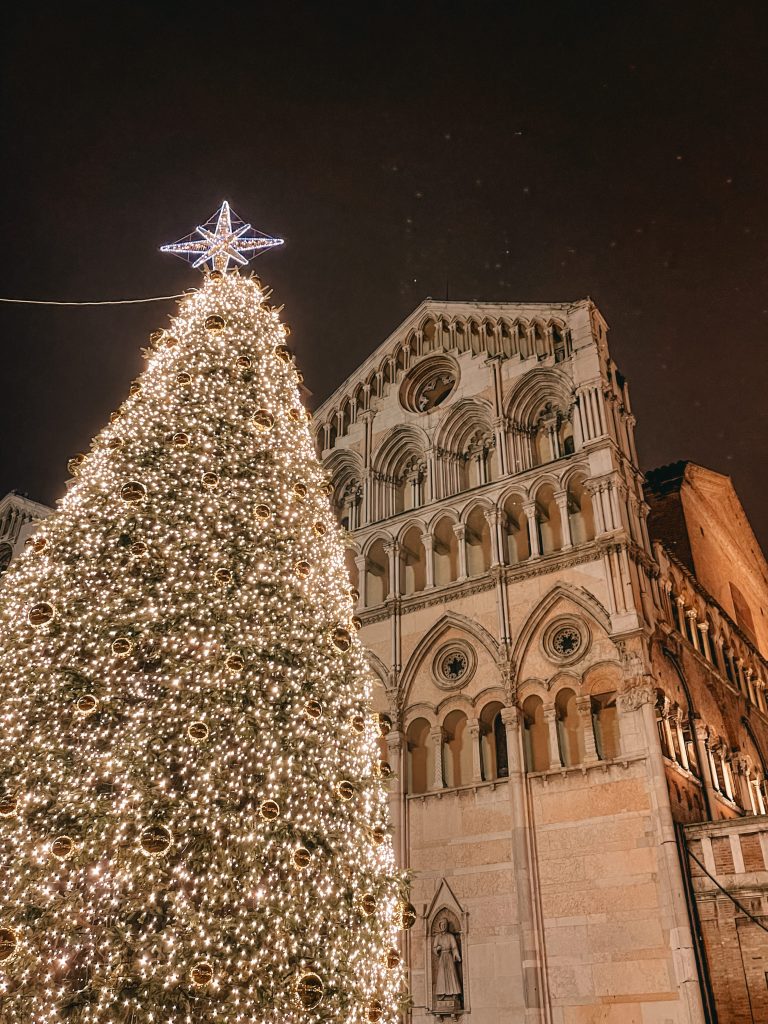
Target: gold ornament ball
column 356, row 622
column 202, row 973
column 263, row 420
column 378, row 835
column 374, row 1011
column 244, row 362
column 368, row 904
column 183, row 378
column 341, row 639
column 287, row 330
column 313, row 709
column 406, row 916
column 156, row 337
column 135, row 388
column 37, row 544
column 86, row 705
column 383, row 769
column 133, row 491
column 180, row 439
column 345, row 789
column 39, row 614
column 329, row 489
column 320, row 528
column 156, row 840
column 310, row 990
column 115, row 416
column 384, row 724
column 223, row 576
column 122, row 646
column 138, row 548
column 302, row 569
column 283, row 353
column 8, row 806
column 269, row 810
column 262, row 512
column 358, row 723
column 300, row 490
column 354, row 593
column 197, row 732
column 295, row 415
column 216, row 275
column 75, row 463
column 393, row 958
column 210, row 481
column 235, row 663
column 62, row 847
column 8, row 944
column 114, row 444
column 301, row 857
column 215, row 323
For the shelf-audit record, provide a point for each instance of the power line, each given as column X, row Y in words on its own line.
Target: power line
column 101, row 302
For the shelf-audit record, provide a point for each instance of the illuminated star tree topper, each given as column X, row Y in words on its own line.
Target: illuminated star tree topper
column 222, row 238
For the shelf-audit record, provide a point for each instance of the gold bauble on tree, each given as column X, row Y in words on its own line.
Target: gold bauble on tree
column 235, row 663
column 310, row 990
column 406, row 915
column 202, row 973
column 122, row 646
column 368, row 904
column 393, row 958
column 374, row 1011
column 341, row 639
column 180, row 439
column 8, row 806
column 41, row 613
column 302, row 569
column 358, row 724
column 313, row 709
column 262, row 511
column 301, row 857
column 383, row 724
column 183, row 378
column 86, row 705
column 62, row 847
column 263, row 419
column 133, row 491
column 197, row 732
column 156, row 840
column 223, row 576
column 215, row 323
column 383, row 769
column 138, row 548
column 8, row 944
column 378, row 835
column 283, row 353
column 210, row 481
column 300, row 489
column 320, row 528
column 269, row 810
column 244, row 362
column 345, row 789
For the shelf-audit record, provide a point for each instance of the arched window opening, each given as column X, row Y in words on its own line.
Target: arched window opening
column 493, row 743
column 546, row 439
column 419, row 755
column 349, row 503
column 580, row 512
column 535, row 735
column 400, row 360
column 569, row 735
column 478, row 540
column 605, row 722
column 559, row 343
column 344, row 417
column 376, row 575
column 539, row 340
column 522, row 339
column 565, row 437
column 457, row 750
column 549, row 525
column 446, row 553
column 332, row 434
column 413, row 573
column 516, row 537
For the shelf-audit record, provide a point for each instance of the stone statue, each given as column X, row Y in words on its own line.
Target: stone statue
column 446, row 949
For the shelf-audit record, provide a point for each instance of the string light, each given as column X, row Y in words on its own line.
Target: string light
column 194, row 823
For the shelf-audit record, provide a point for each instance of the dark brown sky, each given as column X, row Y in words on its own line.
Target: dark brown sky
column 506, row 151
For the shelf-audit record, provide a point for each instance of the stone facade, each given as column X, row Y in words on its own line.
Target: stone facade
column 18, row 518
column 563, row 690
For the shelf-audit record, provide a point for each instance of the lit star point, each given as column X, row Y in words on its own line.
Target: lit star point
column 224, row 238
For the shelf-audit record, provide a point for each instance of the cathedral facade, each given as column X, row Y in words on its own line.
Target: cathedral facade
column 573, row 701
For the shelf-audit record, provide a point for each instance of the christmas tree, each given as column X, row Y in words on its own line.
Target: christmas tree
column 192, row 805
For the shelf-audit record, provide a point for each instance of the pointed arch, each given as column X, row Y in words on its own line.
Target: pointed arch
column 524, row 399
column 448, row 620
column 560, row 592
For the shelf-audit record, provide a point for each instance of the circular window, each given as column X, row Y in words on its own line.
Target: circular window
column 429, row 384
column 454, row 665
column 566, row 639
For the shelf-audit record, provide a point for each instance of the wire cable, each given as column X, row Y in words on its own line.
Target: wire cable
column 725, row 892
column 101, row 302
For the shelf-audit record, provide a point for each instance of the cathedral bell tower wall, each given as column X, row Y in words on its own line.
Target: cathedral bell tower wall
column 483, row 461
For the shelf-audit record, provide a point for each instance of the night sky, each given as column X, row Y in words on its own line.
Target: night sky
column 497, row 151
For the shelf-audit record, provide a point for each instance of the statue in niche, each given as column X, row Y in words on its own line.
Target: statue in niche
column 447, row 988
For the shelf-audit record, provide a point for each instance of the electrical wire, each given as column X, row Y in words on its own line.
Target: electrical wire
column 102, row 302
column 725, row 892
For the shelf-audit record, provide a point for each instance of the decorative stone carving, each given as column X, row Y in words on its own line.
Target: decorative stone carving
column 566, row 639
column 446, row 977
column 454, row 665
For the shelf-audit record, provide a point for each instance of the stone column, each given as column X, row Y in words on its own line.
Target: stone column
column 675, row 720
column 460, row 530
column 428, row 543
column 561, row 497
column 693, row 627
column 550, row 717
column 584, row 708
column 475, row 734
column 393, row 555
column 493, row 518
column 529, row 959
column 437, row 736
column 533, row 533
column 680, row 616
column 703, row 628
column 362, row 580
column 397, row 748
column 701, row 734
